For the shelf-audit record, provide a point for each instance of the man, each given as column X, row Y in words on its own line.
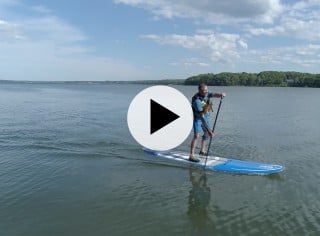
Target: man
column 201, row 120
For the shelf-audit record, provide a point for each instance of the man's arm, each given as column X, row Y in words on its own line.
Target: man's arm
column 217, row 95
column 198, row 106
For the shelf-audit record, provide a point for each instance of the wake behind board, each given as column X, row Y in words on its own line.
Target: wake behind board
column 220, row 164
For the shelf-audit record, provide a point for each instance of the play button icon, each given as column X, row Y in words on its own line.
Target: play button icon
column 160, row 118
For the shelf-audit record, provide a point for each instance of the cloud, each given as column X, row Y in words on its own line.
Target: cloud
column 190, row 62
column 231, row 35
column 214, row 11
column 302, row 56
column 42, row 46
column 300, row 20
column 294, row 23
column 221, row 48
column 9, row 31
column 231, row 51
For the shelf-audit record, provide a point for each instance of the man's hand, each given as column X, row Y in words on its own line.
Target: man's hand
column 210, row 133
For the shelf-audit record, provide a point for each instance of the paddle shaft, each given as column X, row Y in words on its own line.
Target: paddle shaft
column 214, row 126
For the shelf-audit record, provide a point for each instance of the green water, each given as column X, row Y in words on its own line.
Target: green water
column 69, row 166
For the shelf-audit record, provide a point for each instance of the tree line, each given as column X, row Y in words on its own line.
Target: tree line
column 265, row 78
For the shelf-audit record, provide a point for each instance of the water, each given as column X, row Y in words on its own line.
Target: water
column 68, row 165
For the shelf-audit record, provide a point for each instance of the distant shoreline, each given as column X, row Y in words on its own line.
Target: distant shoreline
column 262, row 79
column 158, row 82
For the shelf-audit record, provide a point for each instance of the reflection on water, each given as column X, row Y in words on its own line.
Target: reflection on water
column 199, row 199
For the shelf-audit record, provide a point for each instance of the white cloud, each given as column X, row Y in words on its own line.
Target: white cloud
column 42, row 45
column 295, row 21
column 45, row 47
column 301, row 56
column 222, row 48
column 190, row 62
column 9, row 31
column 300, row 20
column 214, row 11
column 230, row 52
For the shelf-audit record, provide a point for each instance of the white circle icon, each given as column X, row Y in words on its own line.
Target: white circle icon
column 160, row 118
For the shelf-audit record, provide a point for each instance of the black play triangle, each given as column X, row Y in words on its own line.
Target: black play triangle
column 160, row 116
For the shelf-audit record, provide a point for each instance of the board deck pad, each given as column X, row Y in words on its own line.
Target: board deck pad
column 219, row 163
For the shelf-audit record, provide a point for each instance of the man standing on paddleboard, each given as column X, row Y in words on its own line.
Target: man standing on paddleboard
column 201, row 107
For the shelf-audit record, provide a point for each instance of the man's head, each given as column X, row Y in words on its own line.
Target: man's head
column 203, row 89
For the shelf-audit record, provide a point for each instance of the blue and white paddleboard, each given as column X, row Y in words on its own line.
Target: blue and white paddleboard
column 219, row 163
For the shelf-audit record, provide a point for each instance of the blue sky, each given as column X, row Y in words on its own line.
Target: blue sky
column 158, row 39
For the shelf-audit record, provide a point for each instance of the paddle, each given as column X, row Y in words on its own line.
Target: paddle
column 214, row 125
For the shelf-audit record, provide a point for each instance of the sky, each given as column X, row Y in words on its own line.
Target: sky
column 101, row 40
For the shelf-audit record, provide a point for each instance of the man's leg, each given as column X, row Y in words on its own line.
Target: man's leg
column 196, row 129
column 194, row 143
column 203, row 142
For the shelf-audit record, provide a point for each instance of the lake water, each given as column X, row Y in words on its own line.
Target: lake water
column 69, row 166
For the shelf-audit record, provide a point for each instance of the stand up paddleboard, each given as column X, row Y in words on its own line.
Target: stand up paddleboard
column 219, row 164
